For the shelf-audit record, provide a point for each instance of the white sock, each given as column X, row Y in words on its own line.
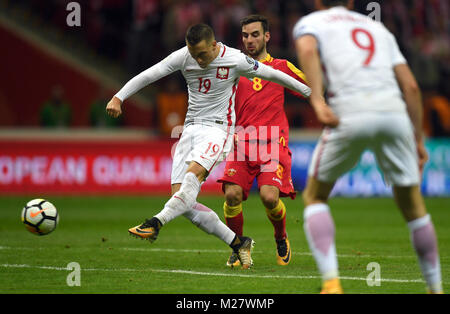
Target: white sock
column 319, row 229
column 207, row 220
column 181, row 201
column 423, row 238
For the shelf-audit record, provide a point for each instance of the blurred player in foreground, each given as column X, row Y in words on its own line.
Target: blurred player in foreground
column 212, row 71
column 260, row 120
column 367, row 77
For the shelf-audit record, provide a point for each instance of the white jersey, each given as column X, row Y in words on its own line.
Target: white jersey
column 212, row 89
column 358, row 56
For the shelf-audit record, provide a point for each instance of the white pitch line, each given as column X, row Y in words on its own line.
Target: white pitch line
column 168, row 250
column 190, row 272
column 258, row 252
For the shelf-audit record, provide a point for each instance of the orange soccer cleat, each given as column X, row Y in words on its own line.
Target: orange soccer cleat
column 148, row 230
column 332, row 286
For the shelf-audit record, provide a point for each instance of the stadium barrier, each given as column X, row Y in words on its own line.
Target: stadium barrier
column 31, row 167
column 366, row 179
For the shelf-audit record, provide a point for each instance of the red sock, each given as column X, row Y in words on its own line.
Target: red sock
column 234, row 218
column 277, row 217
column 236, row 223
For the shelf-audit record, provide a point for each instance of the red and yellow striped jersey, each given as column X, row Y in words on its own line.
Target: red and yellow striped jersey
column 261, row 103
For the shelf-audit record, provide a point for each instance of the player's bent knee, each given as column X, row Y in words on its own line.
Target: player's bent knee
column 270, row 200
column 233, row 196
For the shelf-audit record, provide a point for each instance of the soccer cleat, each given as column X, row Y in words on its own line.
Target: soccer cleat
column 233, row 260
column 244, row 252
column 148, row 230
column 332, row 286
column 283, row 252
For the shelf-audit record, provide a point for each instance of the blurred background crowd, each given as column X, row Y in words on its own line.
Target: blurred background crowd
column 135, row 34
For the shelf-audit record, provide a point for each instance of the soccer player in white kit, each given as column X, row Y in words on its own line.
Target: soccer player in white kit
column 375, row 103
column 212, row 72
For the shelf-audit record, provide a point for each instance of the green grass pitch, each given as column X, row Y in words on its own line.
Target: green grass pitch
column 93, row 233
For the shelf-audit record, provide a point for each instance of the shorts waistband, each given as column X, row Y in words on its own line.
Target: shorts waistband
column 215, row 123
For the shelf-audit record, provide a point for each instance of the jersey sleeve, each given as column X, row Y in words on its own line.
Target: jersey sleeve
column 247, row 66
column 396, row 55
column 293, row 71
column 170, row 64
column 305, row 27
column 258, row 69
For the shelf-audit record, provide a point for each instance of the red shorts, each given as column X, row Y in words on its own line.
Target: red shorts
column 243, row 166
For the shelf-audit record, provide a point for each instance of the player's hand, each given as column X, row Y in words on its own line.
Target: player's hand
column 324, row 114
column 422, row 154
column 114, row 107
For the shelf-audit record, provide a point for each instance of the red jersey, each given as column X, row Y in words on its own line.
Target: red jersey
column 260, row 103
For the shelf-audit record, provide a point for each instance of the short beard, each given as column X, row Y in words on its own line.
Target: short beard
column 257, row 53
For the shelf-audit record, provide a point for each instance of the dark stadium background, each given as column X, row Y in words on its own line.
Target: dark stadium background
column 85, row 65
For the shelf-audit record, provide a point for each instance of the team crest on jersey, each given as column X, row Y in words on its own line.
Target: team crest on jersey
column 222, row 73
column 231, row 172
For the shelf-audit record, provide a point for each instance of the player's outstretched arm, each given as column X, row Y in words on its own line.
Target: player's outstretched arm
column 308, row 55
column 269, row 74
column 163, row 68
column 143, row 79
column 413, row 99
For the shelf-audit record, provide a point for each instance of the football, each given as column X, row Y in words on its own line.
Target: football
column 40, row 216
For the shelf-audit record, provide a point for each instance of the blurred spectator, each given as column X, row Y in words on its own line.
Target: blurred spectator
column 178, row 16
column 138, row 33
column 143, row 48
column 98, row 117
column 56, row 112
column 172, row 106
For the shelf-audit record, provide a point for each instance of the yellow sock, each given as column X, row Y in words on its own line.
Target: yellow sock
column 278, row 213
column 277, row 217
column 231, row 211
column 234, row 218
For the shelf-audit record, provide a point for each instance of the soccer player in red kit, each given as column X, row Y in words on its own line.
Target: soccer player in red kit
column 261, row 142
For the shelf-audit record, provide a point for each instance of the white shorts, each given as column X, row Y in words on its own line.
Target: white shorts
column 388, row 135
column 207, row 145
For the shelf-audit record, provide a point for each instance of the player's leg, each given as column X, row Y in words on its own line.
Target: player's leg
column 337, row 151
column 397, row 157
column 236, row 184
column 232, row 207
column 208, row 221
column 234, row 218
column 276, row 213
column 150, row 228
column 213, row 146
column 185, row 198
column 422, row 234
column 186, row 171
column 275, row 209
column 180, row 202
column 320, row 232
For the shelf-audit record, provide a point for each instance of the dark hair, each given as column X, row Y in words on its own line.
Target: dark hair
column 256, row 18
column 330, row 3
column 198, row 32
